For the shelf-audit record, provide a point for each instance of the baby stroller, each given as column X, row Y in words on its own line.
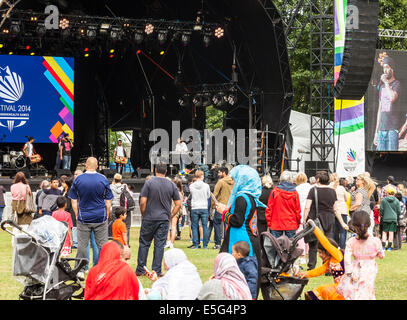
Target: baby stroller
column 279, row 255
column 37, row 263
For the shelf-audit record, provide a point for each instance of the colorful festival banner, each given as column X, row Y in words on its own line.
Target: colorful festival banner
column 36, row 98
column 349, row 114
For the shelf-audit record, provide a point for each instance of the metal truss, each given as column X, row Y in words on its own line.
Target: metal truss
column 322, row 51
column 392, row 39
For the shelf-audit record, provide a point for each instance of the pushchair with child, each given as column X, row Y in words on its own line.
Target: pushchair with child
column 278, row 280
column 37, row 263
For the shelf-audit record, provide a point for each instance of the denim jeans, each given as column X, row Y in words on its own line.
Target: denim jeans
column 150, row 230
column 195, row 216
column 388, row 140
column 279, row 233
column 340, row 233
column 67, row 162
column 1, row 213
column 95, row 250
column 75, row 237
column 217, row 226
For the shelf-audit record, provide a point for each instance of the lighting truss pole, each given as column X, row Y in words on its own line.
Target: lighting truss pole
column 322, row 81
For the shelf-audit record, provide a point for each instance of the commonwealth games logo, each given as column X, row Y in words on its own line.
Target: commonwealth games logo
column 351, row 164
column 11, row 91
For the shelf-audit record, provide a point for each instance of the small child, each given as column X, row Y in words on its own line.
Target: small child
column 360, row 274
column 247, row 265
column 119, row 230
column 62, row 215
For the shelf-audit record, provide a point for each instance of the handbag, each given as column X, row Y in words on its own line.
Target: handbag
column 29, row 203
column 310, row 237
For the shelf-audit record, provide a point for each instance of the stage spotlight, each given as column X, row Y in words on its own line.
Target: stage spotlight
column 111, row 51
column 86, row 55
column 115, row 34
column 232, row 98
column 185, row 38
column 64, row 23
column 219, row 99
column 162, row 53
column 184, row 101
column 27, row 47
column 104, row 27
column 111, row 56
column 207, row 39
column 6, row 31
column 10, row 53
column 41, row 30
column 162, row 36
column 197, row 100
column 149, row 28
column 91, row 32
column 32, row 53
column 139, row 36
column 206, row 99
column 32, row 18
column 15, row 27
column 1, row 45
column 219, row 32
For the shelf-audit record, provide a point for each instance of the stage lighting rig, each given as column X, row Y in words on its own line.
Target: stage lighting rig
column 149, row 28
column 91, row 33
column 197, row 100
column 162, row 36
column 186, row 38
column 206, row 99
column 219, row 99
column 184, row 100
column 64, row 23
column 139, row 36
column 219, row 32
column 15, row 27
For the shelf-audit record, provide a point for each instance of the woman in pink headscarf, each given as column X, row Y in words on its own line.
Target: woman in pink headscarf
column 228, row 282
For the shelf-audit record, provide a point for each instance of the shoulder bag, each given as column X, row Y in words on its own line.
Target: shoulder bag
column 311, row 236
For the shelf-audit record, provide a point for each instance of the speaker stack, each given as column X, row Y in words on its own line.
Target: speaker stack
column 359, row 51
column 311, row 167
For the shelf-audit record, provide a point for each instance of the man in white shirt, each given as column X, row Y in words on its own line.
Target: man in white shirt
column 181, row 148
column 119, row 152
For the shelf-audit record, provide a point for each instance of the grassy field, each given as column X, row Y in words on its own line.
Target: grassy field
column 391, row 282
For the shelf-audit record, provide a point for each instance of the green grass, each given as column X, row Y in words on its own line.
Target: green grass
column 390, row 283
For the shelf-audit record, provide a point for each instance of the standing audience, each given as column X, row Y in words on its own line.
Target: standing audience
column 267, row 187
column 91, row 201
column 200, row 193
column 156, row 197
column 389, row 211
column 20, row 190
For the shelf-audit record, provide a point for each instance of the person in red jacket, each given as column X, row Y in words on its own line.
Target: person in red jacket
column 283, row 213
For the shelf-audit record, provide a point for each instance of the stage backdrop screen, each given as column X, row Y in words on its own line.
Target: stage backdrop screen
column 36, row 98
column 386, row 103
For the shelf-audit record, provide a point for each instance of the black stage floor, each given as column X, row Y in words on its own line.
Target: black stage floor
column 135, row 183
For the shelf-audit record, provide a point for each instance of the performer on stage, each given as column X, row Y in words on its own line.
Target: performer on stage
column 58, row 161
column 65, row 149
column 388, row 116
column 28, row 150
column 182, row 148
column 119, row 154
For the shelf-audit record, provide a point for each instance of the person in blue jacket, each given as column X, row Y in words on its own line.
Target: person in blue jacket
column 247, row 264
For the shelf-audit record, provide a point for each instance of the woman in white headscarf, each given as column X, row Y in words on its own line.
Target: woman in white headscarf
column 180, row 282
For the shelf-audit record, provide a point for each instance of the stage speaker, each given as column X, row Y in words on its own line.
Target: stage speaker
column 142, row 173
column 360, row 49
column 311, row 167
column 108, row 173
column 63, row 172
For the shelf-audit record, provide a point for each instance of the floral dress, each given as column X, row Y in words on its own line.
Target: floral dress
column 363, row 269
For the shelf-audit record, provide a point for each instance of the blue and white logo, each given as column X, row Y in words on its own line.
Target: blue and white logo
column 11, row 91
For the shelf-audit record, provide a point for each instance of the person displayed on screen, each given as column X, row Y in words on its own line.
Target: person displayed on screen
column 386, row 136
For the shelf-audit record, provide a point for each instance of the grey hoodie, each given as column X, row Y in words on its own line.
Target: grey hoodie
column 200, row 193
column 117, row 190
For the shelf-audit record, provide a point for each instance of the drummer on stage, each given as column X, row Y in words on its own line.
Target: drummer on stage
column 28, row 150
column 118, row 154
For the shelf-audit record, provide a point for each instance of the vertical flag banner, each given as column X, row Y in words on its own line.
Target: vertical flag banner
column 36, row 98
column 349, row 114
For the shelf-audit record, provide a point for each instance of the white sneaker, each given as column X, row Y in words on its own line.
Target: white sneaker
column 81, row 275
column 167, row 245
column 171, row 245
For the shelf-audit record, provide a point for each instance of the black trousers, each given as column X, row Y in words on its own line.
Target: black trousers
column 313, row 249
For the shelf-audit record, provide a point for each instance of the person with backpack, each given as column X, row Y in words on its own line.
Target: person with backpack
column 121, row 198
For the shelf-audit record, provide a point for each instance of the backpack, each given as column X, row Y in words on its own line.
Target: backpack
column 126, row 200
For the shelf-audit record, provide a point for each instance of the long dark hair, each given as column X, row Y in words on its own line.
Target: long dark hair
column 360, row 223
